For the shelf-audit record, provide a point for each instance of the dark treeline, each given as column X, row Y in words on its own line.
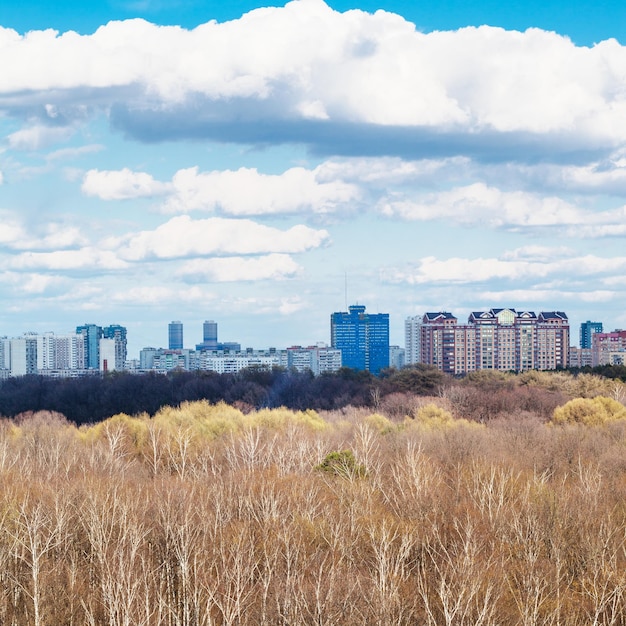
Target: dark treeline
column 94, row 398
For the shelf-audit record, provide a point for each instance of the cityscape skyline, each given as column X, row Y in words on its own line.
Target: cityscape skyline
column 503, row 339
column 239, row 161
column 205, row 334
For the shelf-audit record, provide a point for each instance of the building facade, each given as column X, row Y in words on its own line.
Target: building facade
column 412, row 339
column 92, row 335
column 587, row 330
column 609, row 348
column 363, row 338
column 117, row 334
column 580, row 357
column 175, row 335
column 397, row 357
column 318, row 359
column 498, row 339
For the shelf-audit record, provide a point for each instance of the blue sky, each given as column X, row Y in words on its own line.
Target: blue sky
column 244, row 163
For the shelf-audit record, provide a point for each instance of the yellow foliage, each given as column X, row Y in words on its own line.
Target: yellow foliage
column 379, row 422
column 203, row 419
column 433, row 417
column 589, row 385
column 590, row 411
column 278, row 419
column 130, row 431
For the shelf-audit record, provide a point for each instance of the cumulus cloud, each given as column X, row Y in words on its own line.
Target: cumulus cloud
column 547, row 295
column 159, row 295
column 121, row 185
column 234, row 269
column 37, row 137
column 67, row 260
column 183, row 237
column 464, row 270
column 350, row 81
column 16, row 234
column 245, row 191
column 249, row 192
column 480, row 204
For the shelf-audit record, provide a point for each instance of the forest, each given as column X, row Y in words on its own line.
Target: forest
column 495, row 500
column 94, row 398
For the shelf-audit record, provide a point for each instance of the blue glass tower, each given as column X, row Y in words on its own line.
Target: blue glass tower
column 175, row 335
column 92, row 334
column 363, row 338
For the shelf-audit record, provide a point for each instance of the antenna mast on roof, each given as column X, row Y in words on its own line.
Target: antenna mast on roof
column 346, row 290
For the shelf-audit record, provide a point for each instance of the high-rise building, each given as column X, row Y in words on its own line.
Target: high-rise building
column 60, row 353
column 579, row 357
column 175, row 335
column 209, row 336
column 412, row 339
column 118, row 335
column 363, row 338
column 397, row 357
column 23, row 355
column 587, row 330
column 609, row 348
column 498, row 339
column 92, row 335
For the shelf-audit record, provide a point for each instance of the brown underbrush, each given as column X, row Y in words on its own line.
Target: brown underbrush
column 205, row 515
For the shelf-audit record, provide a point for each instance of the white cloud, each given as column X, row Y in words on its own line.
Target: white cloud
column 67, row 260
column 538, row 254
column 306, row 61
column 18, row 235
column 31, row 284
column 37, row 137
column 249, row 192
column 243, row 192
column 377, row 171
column 12, row 229
column 183, row 237
column 547, row 295
column 121, row 185
column 480, row 204
column 159, row 295
column 464, row 270
column 234, row 269
column 64, row 154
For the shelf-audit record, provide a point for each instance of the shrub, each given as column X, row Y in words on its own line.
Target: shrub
column 590, row 411
column 342, row 463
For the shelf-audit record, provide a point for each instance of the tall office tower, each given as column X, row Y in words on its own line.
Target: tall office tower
column 209, row 336
column 587, row 329
column 175, row 335
column 363, row 338
column 118, row 334
column 92, row 335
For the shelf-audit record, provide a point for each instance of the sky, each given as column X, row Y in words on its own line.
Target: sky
column 264, row 166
